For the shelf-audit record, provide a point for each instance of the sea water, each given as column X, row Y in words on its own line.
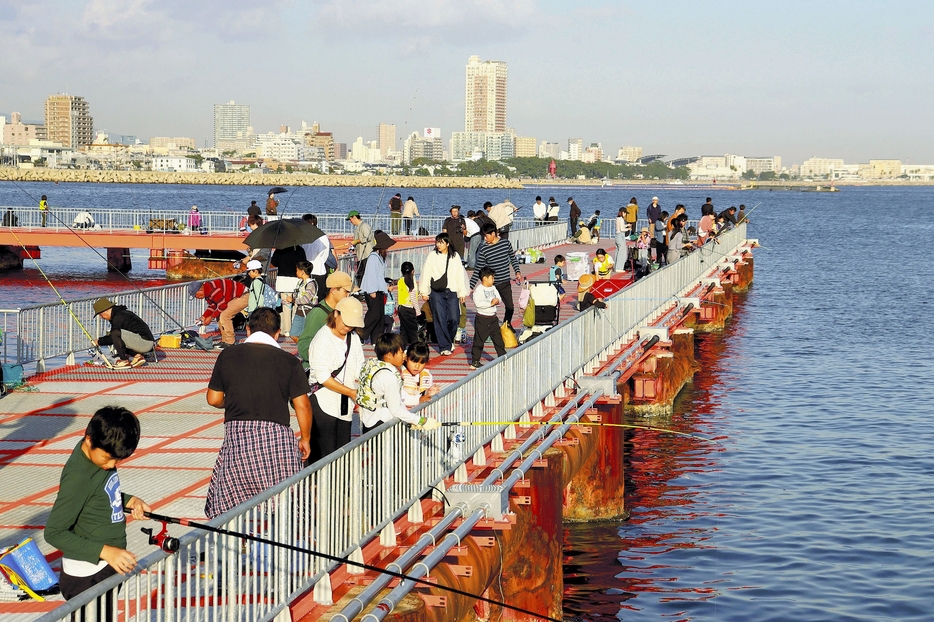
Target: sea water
column 815, row 501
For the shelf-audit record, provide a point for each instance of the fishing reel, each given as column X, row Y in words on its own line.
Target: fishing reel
column 162, row 539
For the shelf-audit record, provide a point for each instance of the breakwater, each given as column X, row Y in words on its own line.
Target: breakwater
column 252, row 179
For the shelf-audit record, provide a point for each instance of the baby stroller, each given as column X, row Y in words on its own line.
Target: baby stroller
column 544, row 313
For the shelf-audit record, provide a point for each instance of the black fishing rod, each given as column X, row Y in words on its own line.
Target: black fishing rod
column 170, row 545
column 202, row 343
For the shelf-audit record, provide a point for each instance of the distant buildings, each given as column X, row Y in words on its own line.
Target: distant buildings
column 18, row 134
column 387, row 139
column 427, row 146
column 232, row 127
column 759, row 165
column 177, row 142
column 629, row 154
column 819, row 167
column 549, row 150
column 575, row 148
column 525, row 147
column 485, row 96
column 485, row 133
column 68, row 121
column 174, row 164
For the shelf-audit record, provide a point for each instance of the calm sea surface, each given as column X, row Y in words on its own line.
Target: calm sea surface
column 817, row 501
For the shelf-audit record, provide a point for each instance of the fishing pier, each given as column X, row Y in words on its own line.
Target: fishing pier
column 399, row 524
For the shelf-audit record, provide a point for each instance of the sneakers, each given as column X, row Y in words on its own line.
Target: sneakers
column 138, row 361
column 221, row 345
column 121, row 364
column 476, row 364
column 459, row 335
column 446, row 353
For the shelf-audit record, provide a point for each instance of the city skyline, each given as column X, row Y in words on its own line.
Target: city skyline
column 796, row 79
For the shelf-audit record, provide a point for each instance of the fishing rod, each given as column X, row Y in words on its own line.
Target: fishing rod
column 95, row 348
column 582, row 423
column 200, row 341
column 170, row 545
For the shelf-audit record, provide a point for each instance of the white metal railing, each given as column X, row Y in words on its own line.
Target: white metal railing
column 342, row 501
column 9, row 335
column 53, row 330
column 214, row 221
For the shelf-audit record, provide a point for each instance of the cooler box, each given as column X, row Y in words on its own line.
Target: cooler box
column 170, row 340
column 608, row 287
column 578, row 264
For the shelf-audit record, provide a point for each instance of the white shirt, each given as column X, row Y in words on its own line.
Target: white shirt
column 539, row 210
column 433, row 268
column 325, row 354
column 317, row 253
column 261, row 337
column 472, row 227
column 386, row 385
column 482, row 297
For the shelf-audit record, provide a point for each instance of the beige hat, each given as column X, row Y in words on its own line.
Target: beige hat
column 351, row 311
column 339, row 279
column 586, row 282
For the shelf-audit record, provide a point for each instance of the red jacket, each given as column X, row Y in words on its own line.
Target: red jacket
column 218, row 294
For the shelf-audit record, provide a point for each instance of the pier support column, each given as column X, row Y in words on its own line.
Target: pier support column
column 595, row 492
column 532, row 576
column 744, row 273
column 662, row 376
column 716, row 308
column 118, row 260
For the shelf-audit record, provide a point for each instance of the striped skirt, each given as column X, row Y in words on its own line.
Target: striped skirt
column 254, row 457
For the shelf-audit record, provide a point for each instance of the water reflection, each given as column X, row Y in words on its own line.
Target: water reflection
column 659, row 560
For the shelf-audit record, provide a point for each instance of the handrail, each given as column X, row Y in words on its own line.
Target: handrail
column 111, row 219
column 338, row 503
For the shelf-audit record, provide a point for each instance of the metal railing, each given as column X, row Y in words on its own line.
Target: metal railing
column 53, row 330
column 214, row 222
column 339, row 503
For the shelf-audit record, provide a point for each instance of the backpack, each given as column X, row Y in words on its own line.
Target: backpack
column 330, row 264
column 270, row 296
column 366, row 396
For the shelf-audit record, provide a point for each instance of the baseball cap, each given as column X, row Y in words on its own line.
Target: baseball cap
column 351, row 311
column 352, row 213
column 253, row 264
column 194, row 287
column 339, row 279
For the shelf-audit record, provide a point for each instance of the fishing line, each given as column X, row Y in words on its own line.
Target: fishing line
column 202, row 343
column 334, row 558
column 583, row 423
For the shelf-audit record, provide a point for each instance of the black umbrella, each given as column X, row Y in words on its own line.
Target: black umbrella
column 277, row 190
column 283, row 234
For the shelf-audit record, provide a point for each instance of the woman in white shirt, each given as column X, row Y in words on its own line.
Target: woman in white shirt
column 443, row 284
column 335, row 356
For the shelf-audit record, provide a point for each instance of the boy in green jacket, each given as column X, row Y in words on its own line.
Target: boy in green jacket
column 88, row 523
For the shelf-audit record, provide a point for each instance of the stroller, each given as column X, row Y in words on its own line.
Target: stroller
column 544, row 313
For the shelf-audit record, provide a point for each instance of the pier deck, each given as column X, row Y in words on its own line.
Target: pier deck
column 171, row 470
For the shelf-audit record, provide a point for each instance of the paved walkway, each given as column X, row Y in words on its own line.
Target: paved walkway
column 40, row 426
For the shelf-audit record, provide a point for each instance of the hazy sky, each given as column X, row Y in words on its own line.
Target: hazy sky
column 796, row 79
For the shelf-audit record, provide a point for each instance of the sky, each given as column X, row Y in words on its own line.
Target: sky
column 836, row 79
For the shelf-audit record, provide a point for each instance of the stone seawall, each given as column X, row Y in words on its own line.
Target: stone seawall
column 253, row 179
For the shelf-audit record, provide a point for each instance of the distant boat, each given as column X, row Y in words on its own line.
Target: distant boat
column 676, row 182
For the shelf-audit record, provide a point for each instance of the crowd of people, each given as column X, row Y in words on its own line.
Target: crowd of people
column 329, row 314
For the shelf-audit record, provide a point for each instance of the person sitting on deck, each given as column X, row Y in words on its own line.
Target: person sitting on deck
column 585, row 297
column 129, row 334
column 10, row 219
column 83, row 220
column 379, row 395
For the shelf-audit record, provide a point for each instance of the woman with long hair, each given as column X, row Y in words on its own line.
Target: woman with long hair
column 622, row 250
column 443, row 284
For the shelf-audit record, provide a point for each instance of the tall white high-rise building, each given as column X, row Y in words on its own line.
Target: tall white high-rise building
column 68, row 120
column 485, row 96
column 231, row 122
